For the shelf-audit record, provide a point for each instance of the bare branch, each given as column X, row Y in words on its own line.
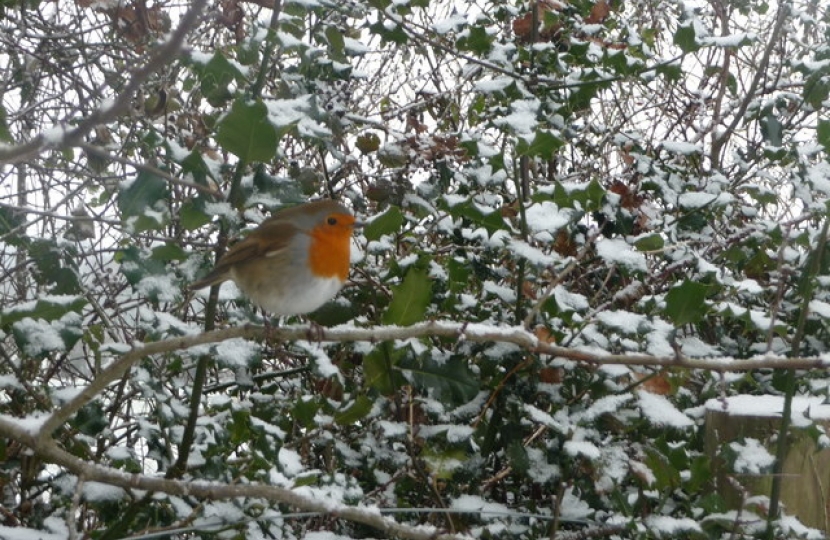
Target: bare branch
column 108, row 112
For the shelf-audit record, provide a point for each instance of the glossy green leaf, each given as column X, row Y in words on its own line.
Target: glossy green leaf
column 410, row 299
column 451, row 380
column 389, row 222
column 817, row 89
column 476, row 40
column 686, row 303
column 685, row 38
column 192, row 214
column 772, row 130
column 380, row 369
column 169, row 252
column 5, row 134
column 247, row 133
column 142, row 202
column 51, row 268
column 355, row 412
column 823, row 134
column 651, row 242
column 544, row 145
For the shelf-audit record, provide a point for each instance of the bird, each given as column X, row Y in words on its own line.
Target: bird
column 293, row 262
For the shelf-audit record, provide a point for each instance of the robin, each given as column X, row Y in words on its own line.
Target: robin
column 293, row 262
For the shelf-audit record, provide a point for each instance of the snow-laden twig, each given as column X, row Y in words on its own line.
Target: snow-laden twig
column 111, row 109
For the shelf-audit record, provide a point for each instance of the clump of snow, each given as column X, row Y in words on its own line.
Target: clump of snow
column 681, row 147
column 159, row 287
column 617, row 251
column 355, row 47
column 236, row 352
column 805, row 409
column 661, row 412
column 495, row 85
column 96, row 492
column 671, row 527
column 581, row 448
column 695, row 199
column 40, row 337
column 522, row 120
column 546, row 216
column 450, row 24
column 751, row 457
column 605, row 405
column 532, row 254
column 291, row 462
column 574, row 508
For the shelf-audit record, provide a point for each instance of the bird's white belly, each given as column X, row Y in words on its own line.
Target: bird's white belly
column 296, row 300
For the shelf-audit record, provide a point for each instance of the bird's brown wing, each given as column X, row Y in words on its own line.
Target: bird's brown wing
column 271, row 237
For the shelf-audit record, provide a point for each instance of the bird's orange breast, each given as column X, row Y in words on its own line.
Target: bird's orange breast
column 329, row 252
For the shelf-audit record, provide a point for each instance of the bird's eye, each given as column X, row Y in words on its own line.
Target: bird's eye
column 332, row 221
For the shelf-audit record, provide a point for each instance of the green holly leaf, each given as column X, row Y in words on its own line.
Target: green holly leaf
column 355, row 412
column 389, row 222
column 544, row 145
column 247, row 133
column 410, row 299
column 686, row 303
column 142, row 202
column 685, row 39
column 452, row 380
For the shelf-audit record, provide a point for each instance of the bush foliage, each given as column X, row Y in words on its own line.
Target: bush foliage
column 573, row 203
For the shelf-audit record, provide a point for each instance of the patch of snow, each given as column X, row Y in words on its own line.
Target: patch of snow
column 546, row 216
column 617, row 251
column 581, row 448
column 681, row 147
column 671, row 527
column 662, row 412
column 291, row 462
column 752, row 457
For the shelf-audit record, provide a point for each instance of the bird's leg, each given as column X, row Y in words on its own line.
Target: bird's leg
column 315, row 332
column 269, row 327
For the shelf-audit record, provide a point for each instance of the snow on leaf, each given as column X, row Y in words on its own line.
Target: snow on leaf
column 582, row 448
column 605, row 405
column 624, row 321
column 23, row 533
column 37, row 337
column 751, row 457
column 533, row 255
column 97, row 492
column 681, row 147
column 661, row 412
column 671, row 527
column 522, row 120
column 291, row 462
column 546, row 216
column 574, row 508
column 617, row 251
column 236, row 352
column 451, row 24
column 541, row 417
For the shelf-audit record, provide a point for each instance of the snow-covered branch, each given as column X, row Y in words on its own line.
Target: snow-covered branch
column 479, row 333
column 304, row 499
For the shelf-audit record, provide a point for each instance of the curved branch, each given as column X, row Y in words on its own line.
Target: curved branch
column 48, row 450
column 478, row 333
